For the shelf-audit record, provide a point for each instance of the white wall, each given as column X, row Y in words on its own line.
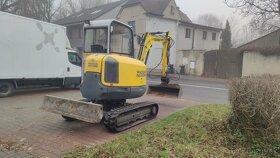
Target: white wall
column 184, row 43
column 167, row 11
column 189, row 56
column 208, row 44
column 155, row 24
column 256, row 64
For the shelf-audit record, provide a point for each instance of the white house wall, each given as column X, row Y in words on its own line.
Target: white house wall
column 208, row 44
column 167, row 11
column 155, row 24
column 184, row 43
column 134, row 13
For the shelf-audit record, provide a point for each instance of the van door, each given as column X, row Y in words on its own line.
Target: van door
column 74, row 69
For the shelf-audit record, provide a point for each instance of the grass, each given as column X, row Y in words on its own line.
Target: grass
column 199, row 131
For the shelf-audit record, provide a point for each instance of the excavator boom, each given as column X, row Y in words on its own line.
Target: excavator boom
column 164, row 89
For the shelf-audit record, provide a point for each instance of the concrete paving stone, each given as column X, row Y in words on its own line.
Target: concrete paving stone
column 48, row 134
column 4, row 153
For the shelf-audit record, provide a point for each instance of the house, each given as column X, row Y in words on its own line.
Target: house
column 191, row 40
column 75, row 22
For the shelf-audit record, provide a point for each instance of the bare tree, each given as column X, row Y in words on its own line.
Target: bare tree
column 265, row 13
column 242, row 31
column 47, row 9
column 73, row 6
column 210, row 20
column 8, row 5
column 92, row 3
column 70, row 7
column 38, row 9
column 27, row 8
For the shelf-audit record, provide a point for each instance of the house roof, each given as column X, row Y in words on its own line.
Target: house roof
column 266, row 50
column 253, row 41
column 89, row 14
column 198, row 26
column 155, row 7
column 184, row 17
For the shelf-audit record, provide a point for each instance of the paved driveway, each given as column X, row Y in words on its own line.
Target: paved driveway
column 30, row 131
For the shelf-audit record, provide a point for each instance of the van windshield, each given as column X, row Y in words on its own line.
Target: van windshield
column 74, row 59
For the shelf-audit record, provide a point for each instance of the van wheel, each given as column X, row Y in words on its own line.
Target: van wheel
column 6, row 89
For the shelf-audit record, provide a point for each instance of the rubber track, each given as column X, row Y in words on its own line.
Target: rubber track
column 112, row 115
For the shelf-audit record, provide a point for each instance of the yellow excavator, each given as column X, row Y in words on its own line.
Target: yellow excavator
column 111, row 75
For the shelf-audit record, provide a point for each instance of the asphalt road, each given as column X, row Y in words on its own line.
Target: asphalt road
column 202, row 90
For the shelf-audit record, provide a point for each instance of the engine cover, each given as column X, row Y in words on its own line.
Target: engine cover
column 113, row 77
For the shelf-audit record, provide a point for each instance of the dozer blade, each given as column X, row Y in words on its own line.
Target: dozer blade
column 84, row 111
column 165, row 90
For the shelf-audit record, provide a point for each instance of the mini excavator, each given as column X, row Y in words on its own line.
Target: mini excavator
column 111, row 75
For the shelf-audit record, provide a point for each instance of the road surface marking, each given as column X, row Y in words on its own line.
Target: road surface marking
column 195, row 86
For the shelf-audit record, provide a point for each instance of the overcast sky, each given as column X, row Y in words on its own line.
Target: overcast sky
column 195, row 8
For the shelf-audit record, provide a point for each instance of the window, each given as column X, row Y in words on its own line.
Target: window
column 188, row 33
column 204, row 35
column 214, row 36
column 74, row 59
column 132, row 24
column 172, row 10
column 121, row 39
column 96, row 40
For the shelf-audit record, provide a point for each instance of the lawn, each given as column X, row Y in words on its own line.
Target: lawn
column 199, row 131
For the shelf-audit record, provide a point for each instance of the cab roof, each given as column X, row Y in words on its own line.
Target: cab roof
column 102, row 23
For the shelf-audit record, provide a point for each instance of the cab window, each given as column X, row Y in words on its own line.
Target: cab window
column 74, row 59
column 96, row 40
column 121, row 39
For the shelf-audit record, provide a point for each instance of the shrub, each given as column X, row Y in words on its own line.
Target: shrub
column 256, row 106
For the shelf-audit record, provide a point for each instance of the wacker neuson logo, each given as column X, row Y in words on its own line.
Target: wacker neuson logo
column 49, row 38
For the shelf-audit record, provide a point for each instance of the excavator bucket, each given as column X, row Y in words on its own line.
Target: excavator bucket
column 80, row 110
column 165, row 90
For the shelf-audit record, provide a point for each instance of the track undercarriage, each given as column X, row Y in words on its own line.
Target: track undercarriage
column 117, row 116
column 129, row 115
